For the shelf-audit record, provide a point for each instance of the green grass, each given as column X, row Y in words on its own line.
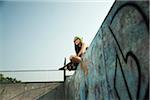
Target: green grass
column 8, row 79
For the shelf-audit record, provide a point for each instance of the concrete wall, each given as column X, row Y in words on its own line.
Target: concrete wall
column 116, row 65
column 25, row 91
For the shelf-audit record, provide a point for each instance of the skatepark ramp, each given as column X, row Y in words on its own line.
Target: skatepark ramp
column 116, row 65
column 26, row 91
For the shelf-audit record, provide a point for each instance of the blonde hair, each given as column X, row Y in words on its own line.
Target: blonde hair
column 77, row 37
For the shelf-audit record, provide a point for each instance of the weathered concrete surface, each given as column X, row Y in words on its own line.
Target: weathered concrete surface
column 58, row 93
column 116, row 65
column 25, row 91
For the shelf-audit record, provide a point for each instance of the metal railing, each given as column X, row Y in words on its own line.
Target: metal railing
column 25, row 74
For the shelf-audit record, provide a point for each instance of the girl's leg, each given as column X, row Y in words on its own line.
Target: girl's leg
column 75, row 59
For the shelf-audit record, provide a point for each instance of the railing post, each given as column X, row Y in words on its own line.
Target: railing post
column 64, row 69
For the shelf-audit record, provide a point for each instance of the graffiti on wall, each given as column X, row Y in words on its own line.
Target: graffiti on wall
column 129, row 54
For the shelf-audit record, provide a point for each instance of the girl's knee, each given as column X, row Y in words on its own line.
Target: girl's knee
column 76, row 59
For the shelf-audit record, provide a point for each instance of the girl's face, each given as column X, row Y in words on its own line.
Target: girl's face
column 76, row 42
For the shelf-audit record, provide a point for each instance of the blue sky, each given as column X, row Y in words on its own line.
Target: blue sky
column 38, row 35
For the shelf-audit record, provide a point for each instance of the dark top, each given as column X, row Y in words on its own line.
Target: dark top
column 77, row 49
